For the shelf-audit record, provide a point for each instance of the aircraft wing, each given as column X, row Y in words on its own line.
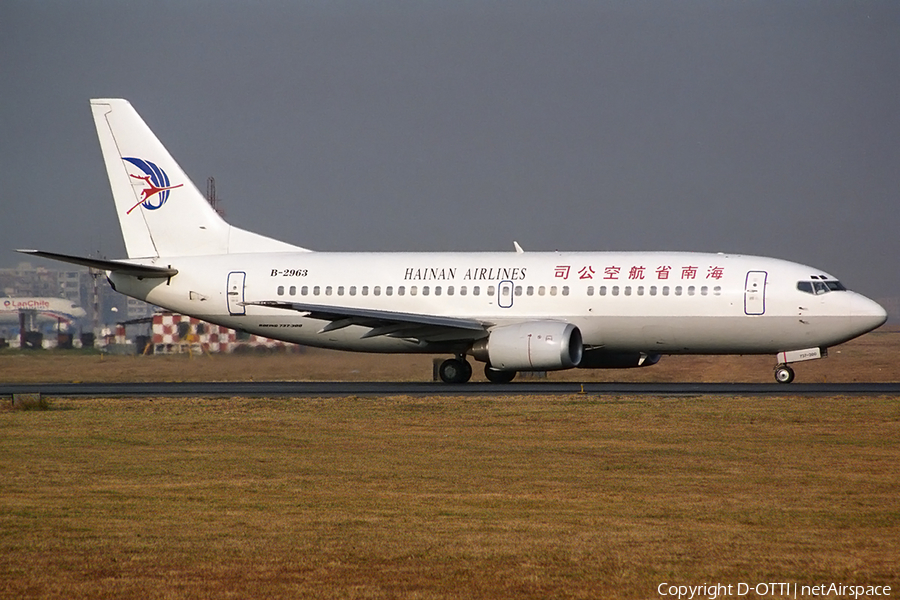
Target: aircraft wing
column 119, row 266
column 429, row 328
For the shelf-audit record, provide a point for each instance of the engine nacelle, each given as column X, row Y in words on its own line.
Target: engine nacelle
column 598, row 359
column 532, row 346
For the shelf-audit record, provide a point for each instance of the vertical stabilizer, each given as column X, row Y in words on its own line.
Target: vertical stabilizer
column 161, row 212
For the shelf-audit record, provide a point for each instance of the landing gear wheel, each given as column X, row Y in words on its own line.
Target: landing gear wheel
column 784, row 374
column 497, row 376
column 455, row 370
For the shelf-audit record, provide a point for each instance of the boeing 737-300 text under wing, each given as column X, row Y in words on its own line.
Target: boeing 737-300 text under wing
column 516, row 311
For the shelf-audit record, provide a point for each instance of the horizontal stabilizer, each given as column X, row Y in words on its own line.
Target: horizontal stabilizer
column 119, row 266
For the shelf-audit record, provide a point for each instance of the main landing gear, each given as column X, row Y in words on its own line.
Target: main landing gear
column 458, row 370
column 455, row 370
column 497, row 376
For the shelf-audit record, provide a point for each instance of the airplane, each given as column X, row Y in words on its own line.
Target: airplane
column 514, row 311
column 39, row 311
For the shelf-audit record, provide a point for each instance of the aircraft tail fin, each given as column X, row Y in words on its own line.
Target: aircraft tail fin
column 161, row 212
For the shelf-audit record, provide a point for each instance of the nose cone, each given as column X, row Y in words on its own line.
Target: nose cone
column 865, row 314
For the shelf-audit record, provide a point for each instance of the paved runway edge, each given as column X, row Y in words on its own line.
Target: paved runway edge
column 303, row 388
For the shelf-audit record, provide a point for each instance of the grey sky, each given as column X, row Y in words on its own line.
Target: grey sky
column 763, row 127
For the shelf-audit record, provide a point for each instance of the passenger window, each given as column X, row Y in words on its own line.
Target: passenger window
column 615, row 290
column 717, row 290
column 365, row 290
column 340, row 290
column 316, row 290
column 412, row 290
column 490, row 290
column 590, row 290
column 476, row 290
column 401, row 290
column 449, row 290
column 389, row 290
column 565, row 290
column 530, row 290
column 462, row 290
column 602, row 290
column 292, row 290
column 652, row 290
column 691, row 290
column 425, row 290
column 518, row 291
column 328, row 290
column 677, row 290
column 665, row 290
column 376, row 290
column 704, row 291
column 304, row 290
column 437, row 290
column 552, row 290
column 627, row 290
column 541, row 291
column 352, row 290
column 281, row 290
column 640, row 290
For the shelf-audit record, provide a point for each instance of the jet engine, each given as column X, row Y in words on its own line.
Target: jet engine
column 599, row 359
column 531, row 346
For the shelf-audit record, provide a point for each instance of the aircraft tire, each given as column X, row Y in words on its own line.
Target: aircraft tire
column 784, row 374
column 497, row 376
column 454, row 370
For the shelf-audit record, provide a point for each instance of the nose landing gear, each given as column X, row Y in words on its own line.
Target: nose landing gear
column 784, row 374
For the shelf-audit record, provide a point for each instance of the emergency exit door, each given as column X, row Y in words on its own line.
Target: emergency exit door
column 235, row 293
column 755, row 293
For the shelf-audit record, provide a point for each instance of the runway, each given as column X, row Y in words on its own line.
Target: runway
column 332, row 389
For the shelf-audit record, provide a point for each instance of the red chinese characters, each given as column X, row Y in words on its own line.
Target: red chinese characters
column 688, row 272
column 640, row 272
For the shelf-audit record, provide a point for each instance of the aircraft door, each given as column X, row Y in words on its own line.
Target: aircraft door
column 755, row 293
column 235, row 293
column 505, row 294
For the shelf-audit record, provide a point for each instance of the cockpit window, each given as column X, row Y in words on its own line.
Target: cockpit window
column 820, row 287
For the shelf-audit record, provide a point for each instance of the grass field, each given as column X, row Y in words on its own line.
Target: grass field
column 510, row 497
column 463, row 497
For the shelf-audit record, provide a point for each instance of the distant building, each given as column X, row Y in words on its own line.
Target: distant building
column 76, row 284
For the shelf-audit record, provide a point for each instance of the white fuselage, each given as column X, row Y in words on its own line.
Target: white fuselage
column 653, row 302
